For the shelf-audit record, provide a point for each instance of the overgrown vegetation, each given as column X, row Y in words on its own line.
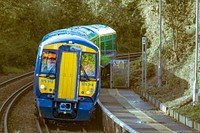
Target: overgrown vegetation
column 177, row 15
column 191, row 112
column 177, row 54
column 24, row 22
column 105, row 60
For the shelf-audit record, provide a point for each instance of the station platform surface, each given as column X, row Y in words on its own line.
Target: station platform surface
column 140, row 115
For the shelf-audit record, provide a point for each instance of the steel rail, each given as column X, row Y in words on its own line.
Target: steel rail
column 2, row 109
column 38, row 126
column 15, row 78
column 10, row 102
column 131, row 54
column 41, row 122
column 41, row 125
column 136, row 53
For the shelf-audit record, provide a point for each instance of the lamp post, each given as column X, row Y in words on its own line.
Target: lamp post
column 160, row 44
column 195, row 87
column 144, row 60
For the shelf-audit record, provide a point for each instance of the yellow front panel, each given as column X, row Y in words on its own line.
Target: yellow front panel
column 46, row 85
column 57, row 45
column 67, row 79
column 54, row 46
column 87, row 88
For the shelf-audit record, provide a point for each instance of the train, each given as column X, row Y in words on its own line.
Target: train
column 67, row 79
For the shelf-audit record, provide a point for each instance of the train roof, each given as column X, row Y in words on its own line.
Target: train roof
column 83, row 30
column 101, row 29
column 63, row 31
column 68, row 38
column 88, row 32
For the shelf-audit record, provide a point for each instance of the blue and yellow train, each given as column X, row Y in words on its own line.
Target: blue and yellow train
column 67, row 72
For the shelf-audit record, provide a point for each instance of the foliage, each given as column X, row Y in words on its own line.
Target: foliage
column 12, row 70
column 24, row 22
column 177, row 52
column 125, row 20
column 193, row 115
column 176, row 16
column 104, row 60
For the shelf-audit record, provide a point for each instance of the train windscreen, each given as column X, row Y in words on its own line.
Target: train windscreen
column 88, row 64
column 48, row 63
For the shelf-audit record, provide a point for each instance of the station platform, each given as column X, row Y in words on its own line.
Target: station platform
column 137, row 114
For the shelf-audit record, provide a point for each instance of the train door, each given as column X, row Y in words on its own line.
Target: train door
column 67, row 73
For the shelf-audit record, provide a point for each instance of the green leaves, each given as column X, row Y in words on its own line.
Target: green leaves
column 104, row 60
column 23, row 23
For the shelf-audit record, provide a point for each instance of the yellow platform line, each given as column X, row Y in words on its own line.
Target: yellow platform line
column 138, row 113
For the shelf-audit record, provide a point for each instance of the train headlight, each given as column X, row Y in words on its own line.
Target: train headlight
column 87, row 92
column 90, row 91
column 42, row 86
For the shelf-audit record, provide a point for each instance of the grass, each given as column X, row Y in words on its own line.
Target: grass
column 190, row 111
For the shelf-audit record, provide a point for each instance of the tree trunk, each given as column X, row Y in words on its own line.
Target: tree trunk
column 175, row 43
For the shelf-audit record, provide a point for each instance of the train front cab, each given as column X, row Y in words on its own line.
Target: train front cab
column 69, row 93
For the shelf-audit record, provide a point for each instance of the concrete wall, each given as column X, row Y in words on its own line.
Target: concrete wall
column 111, row 124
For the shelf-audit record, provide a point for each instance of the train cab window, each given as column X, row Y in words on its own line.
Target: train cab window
column 88, row 63
column 48, row 63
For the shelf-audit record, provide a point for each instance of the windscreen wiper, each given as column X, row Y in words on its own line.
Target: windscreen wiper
column 85, row 74
column 49, row 72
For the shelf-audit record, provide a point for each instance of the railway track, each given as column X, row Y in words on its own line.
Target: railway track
column 128, row 56
column 9, row 104
column 15, row 78
column 41, row 125
column 10, row 91
column 17, row 112
column 14, row 97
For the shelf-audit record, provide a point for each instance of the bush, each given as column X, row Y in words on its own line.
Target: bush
column 11, row 70
column 104, row 60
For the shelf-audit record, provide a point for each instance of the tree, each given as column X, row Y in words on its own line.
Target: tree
column 175, row 15
column 125, row 20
